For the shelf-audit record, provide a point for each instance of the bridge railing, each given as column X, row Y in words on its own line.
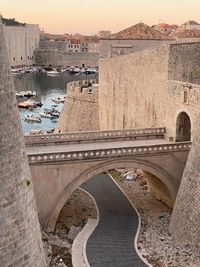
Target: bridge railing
column 98, row 136
column 104, row 153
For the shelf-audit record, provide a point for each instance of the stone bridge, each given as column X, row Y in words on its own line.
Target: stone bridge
column 60, row 163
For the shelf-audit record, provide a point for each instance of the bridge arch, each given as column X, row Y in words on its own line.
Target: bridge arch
column 99, row 168
column 183, row 127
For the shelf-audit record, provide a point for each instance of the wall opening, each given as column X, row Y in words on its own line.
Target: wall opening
column 183, row 127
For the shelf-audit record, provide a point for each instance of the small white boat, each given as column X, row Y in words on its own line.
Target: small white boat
column 32, row 118
column 46, row 115
column 26, row 93
column 30, row 93
column 15, row 72
column 53, row 72
column 58, row 100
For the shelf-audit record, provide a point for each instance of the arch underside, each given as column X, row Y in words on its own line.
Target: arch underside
column 147, row 166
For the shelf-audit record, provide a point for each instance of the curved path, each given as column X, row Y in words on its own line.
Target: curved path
column 112, row 242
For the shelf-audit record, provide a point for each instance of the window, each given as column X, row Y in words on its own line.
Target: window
column 14, row 58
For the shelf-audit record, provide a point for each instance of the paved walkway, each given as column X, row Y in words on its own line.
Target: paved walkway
column 39, row 149
column 112, row 242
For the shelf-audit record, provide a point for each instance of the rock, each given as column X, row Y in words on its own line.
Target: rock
column 73, row 232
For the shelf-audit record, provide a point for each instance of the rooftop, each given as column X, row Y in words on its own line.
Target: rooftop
column 186, row 34
column 139, row 31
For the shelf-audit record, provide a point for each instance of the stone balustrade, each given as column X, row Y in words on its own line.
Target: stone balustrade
column 108, row 153
column 92, row 136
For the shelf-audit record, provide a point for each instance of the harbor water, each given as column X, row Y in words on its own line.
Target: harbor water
column 47, row 88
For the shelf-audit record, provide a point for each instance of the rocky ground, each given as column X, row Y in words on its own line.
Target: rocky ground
column 72, row 219
column 155, row 244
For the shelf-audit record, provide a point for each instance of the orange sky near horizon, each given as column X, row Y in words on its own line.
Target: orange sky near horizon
column 91, row 16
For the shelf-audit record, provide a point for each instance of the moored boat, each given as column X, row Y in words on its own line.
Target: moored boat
column 53, row 72
column 58, row 100
column 32, row 118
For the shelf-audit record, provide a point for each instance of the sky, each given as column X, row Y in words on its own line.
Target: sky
column 91, row 16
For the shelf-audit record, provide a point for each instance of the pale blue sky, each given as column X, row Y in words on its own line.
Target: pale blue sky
column 90, row 16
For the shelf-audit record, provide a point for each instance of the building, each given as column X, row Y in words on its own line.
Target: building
column 22, row 40
column 165, row 28
column 104, row 34
column 90, row 44
column 65, row 45
column 134, row 38
column 190, row 25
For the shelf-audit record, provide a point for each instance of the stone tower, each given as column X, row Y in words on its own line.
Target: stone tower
column 185, row 221
column 20, row 238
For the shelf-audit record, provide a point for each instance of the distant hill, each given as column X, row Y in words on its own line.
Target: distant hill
column 12, row 22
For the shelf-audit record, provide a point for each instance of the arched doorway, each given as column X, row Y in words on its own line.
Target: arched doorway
column 183, row 127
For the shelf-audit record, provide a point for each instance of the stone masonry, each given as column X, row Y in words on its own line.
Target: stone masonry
column 20, row 242
column 151, row 89
column 64, row 59
column 161, row 83
column 80, row 111
column 185, row 219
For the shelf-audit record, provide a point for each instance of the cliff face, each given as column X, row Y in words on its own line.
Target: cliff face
column 21, row 243
column 80, row 111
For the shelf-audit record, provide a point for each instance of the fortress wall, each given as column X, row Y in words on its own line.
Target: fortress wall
column 21, row 243
column 80, row 111
column 110, row 47
column 184, row 62
column 182, row 97
column 21, row 42
column 61, row 58
column 186, row 213
column 135, row 90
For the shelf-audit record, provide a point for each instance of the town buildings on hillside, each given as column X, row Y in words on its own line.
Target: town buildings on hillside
column 70, row 43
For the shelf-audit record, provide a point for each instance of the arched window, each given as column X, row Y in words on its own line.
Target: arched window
column 183, row 127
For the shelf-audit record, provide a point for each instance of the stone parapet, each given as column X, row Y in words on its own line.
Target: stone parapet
column 96, row 136
column 106, row 153
column 64, row 59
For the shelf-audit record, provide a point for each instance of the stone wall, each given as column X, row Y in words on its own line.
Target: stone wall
column 64, row 59
column 115, row 47
column 21, row 243
column 21, row 42
column 129, row 87
column 185, row 220
column 136, row 90
column 80, row 111
column 184, row 62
